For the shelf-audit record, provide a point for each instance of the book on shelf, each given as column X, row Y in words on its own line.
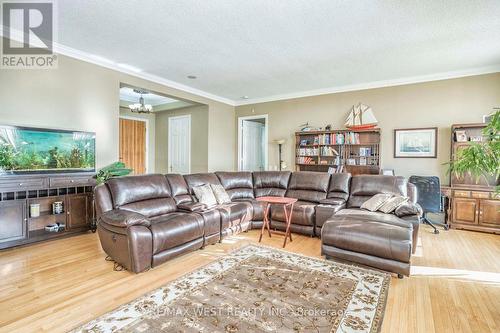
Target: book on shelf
column 362, row 160
column 328, row 151
column 305, row 160
column 308, row 151
column 333, row 139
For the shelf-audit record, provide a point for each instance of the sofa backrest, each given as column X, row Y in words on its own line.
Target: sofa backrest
column 148, row 195
column 178, row 188
column 308, row 186
column 197, row 179
column 270, row 183
column 239, row 185
column 339, row 186
column 363, row 187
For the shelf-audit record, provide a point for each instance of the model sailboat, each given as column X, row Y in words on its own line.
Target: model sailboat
column 361, row 117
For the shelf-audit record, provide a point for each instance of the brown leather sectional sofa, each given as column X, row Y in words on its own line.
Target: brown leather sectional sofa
column 144, row 221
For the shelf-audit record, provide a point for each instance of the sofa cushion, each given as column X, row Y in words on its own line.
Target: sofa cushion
column 220, row 194
column 375, row 202
column 179, row 188
column 408, row 208
column 130, row 189
column 197, row 179
column 270, row 183
column 363, row 187
column 258, row 208
column 390, row 205
column 303, row 213
column 175, row 229
column 365, row 215
column 238, row 185
column 235, row 213
column 339, row 185
column 152, row 207
column 308, row 186
column 205, row 195
column 324, row 212
column 370, row 237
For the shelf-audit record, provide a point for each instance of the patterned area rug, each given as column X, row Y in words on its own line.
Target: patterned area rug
column 258, row 289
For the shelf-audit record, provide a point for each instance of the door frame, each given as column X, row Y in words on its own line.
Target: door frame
column 146, row 148
column 266, row 139
column 170, row 141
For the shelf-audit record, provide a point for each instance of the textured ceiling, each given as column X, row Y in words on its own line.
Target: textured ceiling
column 263, row 48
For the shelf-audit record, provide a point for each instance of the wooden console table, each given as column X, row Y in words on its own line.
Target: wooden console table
column 18, row 192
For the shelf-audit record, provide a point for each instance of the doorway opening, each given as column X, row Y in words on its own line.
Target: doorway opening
column 252, row 143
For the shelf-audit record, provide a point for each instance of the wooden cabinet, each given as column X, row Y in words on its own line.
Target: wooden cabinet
column 465, row 210
column 18, row 192
column 78, row 211
column 489, row 213
column 13, row 220
column 474, row 205
column 475, row 210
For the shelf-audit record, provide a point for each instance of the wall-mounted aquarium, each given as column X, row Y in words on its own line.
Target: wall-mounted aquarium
column 25, row 150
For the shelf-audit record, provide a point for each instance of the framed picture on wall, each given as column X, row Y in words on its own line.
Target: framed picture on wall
column 415, row 142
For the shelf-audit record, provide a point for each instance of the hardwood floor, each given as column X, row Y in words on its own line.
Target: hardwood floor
column 57, row 285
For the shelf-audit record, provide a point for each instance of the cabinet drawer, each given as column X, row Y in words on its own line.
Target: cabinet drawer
column 480, row 195
column 23, row 184
column 461, row 194
column 71, row 181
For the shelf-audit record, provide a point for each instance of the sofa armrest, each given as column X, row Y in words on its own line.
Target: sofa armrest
column 124, row 218
column 192, row 206
column 332, row 201
column 408, row 209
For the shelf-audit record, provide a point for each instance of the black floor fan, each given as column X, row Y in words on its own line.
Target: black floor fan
column 429, row 198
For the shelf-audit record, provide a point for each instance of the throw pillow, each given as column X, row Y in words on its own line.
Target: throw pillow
column 408, row 208
column 220, row 194
column 375, row 202
column 205, row 195
column 390, row 205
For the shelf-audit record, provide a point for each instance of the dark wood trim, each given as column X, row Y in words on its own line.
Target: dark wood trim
column 416, row 129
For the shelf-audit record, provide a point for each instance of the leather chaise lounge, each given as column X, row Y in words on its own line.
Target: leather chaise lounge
column 143, row 221
column 376, row 239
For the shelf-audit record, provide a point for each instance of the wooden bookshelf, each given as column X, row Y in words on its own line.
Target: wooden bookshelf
column 357, row 151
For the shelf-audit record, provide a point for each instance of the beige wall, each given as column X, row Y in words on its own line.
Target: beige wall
column 82, row 96
column 432, row 104
column 151, row 140
column 199, row 136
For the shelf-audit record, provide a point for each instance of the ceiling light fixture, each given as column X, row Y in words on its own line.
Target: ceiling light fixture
column 244, row 97
column 141, row 107
column 192, row 77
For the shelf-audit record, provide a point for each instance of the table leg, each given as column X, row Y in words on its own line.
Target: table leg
column 265, row 222
column 288, row 218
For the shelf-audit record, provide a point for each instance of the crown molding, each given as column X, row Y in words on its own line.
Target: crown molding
column 374, row 85
column 84, row 56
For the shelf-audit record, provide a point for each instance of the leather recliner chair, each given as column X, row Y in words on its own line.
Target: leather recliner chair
column 140, row 225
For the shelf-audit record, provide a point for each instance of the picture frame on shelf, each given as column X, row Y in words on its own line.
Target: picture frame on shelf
column 415, row 142
column 461, row 136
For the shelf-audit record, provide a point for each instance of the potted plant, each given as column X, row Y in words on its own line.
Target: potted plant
column 481, row 159
column 116, row 169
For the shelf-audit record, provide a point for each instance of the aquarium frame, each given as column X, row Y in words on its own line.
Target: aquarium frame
column 51, row 171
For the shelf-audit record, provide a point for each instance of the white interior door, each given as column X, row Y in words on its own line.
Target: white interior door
column 179, row 144
column 252, row 145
